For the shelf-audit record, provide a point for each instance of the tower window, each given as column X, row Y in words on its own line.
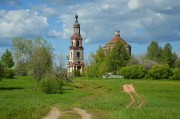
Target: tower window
column 77, row 44
column 71, row 54
column 78, row 55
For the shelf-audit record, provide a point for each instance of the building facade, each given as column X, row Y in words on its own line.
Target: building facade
column 117, row 38
column 76, row 54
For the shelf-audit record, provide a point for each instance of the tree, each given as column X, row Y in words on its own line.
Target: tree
column 177, row 63
column 22, row 50
column 160, row 72
column 133, row 61
column 1, row 71
column 154, row 52
column 133, row 72
column 169, row 57
column 118, row 57
column 41, row 60
column 176, row 74
column 7, row 59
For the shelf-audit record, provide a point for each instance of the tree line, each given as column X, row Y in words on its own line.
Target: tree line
column 157, row 63
column 35, row 57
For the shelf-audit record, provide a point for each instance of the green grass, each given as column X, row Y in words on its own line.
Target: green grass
column 20, row 99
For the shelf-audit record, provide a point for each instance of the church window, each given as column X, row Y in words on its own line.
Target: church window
column 78, row 55
column 71, row 54
column 77, row 44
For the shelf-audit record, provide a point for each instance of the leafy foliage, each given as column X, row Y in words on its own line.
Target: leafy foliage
column 33, row 57
column 160, row 72
column 154, row 51
column 7, row 59
column 177, row 63
column 169, row 57
column 176, row 74
column 22, row 50
column 41, row 59
column 161, row 55
column 76, row 73
column 104, row 61
column 133, row 72
column 1, row 71
column 51, row 85
column 8, row 73
column 118, row 57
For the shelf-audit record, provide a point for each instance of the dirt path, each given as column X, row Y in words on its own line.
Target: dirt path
column 129, row 89
column 83, row 113
column 54, row 113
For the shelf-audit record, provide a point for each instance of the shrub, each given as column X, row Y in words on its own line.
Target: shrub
column 160, row 72
column 51, row 85
column 8, row 73
column 76, row 73
column 1, row 71
column 133, row 72
column 176, row 74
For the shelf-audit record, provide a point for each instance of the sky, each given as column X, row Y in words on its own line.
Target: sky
column 139, row 21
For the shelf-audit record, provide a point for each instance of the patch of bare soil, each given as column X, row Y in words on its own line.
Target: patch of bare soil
column 130, row 90
column 54, row 113
column 83, row 113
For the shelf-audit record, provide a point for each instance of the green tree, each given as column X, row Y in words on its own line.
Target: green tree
column 1, row 71
column 133, row 72
column 176, row 74
column 177, row 63
column 118, row 57
column 160, row 72
column 41, row 60
column 22, row 50
column 133, row 61
column 7, row 59
column 168, row 56
column 154, row 52
column 91, row 66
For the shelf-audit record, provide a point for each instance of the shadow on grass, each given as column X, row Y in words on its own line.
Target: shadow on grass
column 10, row 88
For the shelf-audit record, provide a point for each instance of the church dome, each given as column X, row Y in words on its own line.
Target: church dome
column 117, row 38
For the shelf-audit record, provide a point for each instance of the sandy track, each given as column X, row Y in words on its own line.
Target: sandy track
column 83, row 113
column 129, row 89
column 54, row 113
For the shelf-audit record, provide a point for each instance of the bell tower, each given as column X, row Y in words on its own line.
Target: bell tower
column 76, row 54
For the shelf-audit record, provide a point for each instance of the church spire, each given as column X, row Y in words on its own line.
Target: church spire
column 76, row 26
column 76, row 18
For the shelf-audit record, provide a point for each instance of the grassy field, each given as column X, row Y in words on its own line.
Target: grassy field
column 103, row 98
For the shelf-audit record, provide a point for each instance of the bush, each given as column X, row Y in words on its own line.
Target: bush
column 8, row 73
column 160, row 72
column 176, row 74
column 77, row 73
column 1, row 71
column 51, row 85
column 133, row 72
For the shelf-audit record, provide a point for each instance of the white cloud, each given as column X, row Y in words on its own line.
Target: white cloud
column 134, row 4
column 139, row 21
column 55, row 34
column 21, row 23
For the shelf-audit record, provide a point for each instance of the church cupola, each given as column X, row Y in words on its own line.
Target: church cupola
column 76, row 54
column 76, row 26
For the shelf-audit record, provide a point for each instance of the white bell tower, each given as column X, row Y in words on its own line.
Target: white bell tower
column 76, row 54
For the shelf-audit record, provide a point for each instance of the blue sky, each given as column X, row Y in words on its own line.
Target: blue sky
column 139, row 22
